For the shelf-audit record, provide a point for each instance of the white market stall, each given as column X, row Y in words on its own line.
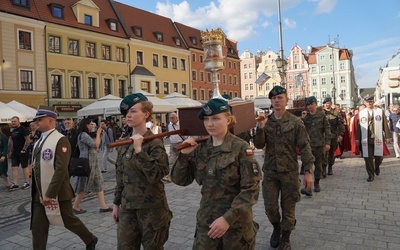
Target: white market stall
column 6, row 113
column 105, row 106
column 25, row 110
column 159, row 105
column 181, row 101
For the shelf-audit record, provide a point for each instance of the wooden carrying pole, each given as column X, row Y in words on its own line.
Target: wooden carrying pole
column 151, row 137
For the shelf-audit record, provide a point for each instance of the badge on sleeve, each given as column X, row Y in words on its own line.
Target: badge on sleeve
column 249, row 152
column 64, row 149
column 255, row 169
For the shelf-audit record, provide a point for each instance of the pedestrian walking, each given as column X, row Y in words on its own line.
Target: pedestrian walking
column 140, row 204
column 174, row 140
column 107, row 137
column 51, row 190
column 394, row 122
column 229, row 174
column 282, row 133
column 3, row 158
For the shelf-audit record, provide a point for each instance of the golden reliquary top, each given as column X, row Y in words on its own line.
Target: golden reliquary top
column 212, row 35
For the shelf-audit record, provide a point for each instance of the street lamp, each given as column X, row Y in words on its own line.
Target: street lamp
column 333, row 72
column 281, row 65
column 130, row 89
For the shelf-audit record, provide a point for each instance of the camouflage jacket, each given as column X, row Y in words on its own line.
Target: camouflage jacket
column 336, row 121
column 138, row 176
column 318, row 129
column 282, row 138
column 229, row 175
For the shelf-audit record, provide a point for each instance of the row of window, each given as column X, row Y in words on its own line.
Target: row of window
column 202, row 92
column 166, row 88
column 90, row 49
column 165, row 61
column 231, row 79
column 332, row 80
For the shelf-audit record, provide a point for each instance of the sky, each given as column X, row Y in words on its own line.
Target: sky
column 370, row 28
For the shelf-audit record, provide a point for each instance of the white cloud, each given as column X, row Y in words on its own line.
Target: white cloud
column 289, row 23
column 324, row 6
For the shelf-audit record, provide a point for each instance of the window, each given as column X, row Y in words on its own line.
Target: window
column 90, row 49
column 88, row 19
column 266, row 68
column 139, row 57
column 323, row 68
column 120, row 54
column 56, row 86
column 137, row 31
column 121, row 88
column 21, row 3
column 341, row 66
column 26, row 80
column 314, row 94
column 92, row 88
column 166, row 88
column 246, row 87
column 201, row 59
column 194, row 94
column 165, row 61
column 234, row 65
column 175, row 87
column 342, row 94
column 323, row 80
column 25, row 40
column 54, row 44
column 250, row 75
column 57, row 11
column 159, row 36
column 331, row 67
column 177, row 41
column 194, row 75
column 251, row 86
column 202, row 76
column 260, row 87
column 184, row 89
column 107, row 87
column 145, row 86
column 230, row 65
column 193, row 39
column 245, row 66
column 332, row 80
column 174, row 63
column 202, row 94
column 193, row 57
column 208, row 77
column 323, row 94
column 157, row 87
column 224, row 78
column 155, row 60
column 183, row 64
column 106, row 52
column 210, row 94
column 245, row 76
column 75, row 86
column 112, row 24
column 73, row 47
column 267, row 86
column 230, row 79
column 314, row 69
column 322, row 57
column 342, row 79
column 314, row 82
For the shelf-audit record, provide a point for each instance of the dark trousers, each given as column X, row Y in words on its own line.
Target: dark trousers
column 40, row 224
column 329, row 158
column 370, row 166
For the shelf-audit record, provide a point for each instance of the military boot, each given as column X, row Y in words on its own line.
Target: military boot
column 285, row 241
column 276, row 234
column 324, row 171
column 330, row 170
column 317, row 188
column 302, row 169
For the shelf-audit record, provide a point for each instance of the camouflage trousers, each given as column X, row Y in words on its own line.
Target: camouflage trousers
column 329, row 158
column 319, row 155
column 243, row 238
column 287, row 184
column 149, row 227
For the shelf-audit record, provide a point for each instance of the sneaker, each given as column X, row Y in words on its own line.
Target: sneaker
column 26, row 185
column 13, row 187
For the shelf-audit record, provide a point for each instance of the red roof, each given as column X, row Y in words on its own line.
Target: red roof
column 189, row 34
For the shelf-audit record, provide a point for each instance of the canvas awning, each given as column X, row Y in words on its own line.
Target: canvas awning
column 6, row 113
column 25, row 110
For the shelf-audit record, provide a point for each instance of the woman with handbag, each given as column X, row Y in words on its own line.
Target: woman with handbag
column 94, row 182
column 140, row 204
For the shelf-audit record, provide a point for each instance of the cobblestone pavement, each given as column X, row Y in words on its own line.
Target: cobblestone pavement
column 349, row 213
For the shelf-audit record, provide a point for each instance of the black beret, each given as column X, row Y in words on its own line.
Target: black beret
column 227, row 96
column 310, row 100
column 213, row 107
column 277, row 90
column 130, row 101
column 327, row 99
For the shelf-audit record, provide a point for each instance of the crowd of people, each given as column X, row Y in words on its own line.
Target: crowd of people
column 224, row 166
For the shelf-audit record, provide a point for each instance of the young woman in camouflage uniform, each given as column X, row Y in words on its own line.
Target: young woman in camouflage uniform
column 140, row 204
column 229, row 174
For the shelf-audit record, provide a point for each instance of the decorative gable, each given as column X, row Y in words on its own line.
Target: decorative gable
column 87, row 12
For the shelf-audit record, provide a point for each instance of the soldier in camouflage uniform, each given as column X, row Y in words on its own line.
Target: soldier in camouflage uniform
column 282, row 134
column 229, row 174
column 140, row 204
column 319, row 130
column 337, row 132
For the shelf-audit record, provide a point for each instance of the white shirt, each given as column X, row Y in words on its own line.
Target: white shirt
column 174, row 138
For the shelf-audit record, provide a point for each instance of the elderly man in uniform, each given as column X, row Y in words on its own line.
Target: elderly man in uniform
column 337, row 132
column 372, row 129
column 282, row 134
column 51, row 190
column 319, row 130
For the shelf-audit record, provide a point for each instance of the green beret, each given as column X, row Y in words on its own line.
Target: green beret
column 130, row 101
column 227, row 96
column 213, row 107
column 327, row 99
column 277, row 90
column 310, row 100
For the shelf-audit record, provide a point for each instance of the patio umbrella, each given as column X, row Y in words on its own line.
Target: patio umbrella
column 25, row 110
column 6, row 113
column 181, row 101
column 159, row 105
column 106, row 106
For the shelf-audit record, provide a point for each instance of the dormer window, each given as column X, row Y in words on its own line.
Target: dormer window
column 21, row 3
column 231, row 50
column 88, row 20
column 177, row 41
column 193, row 39
column 137, row 31
column 57, row 10
column 112, row 24
column 159, row 36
